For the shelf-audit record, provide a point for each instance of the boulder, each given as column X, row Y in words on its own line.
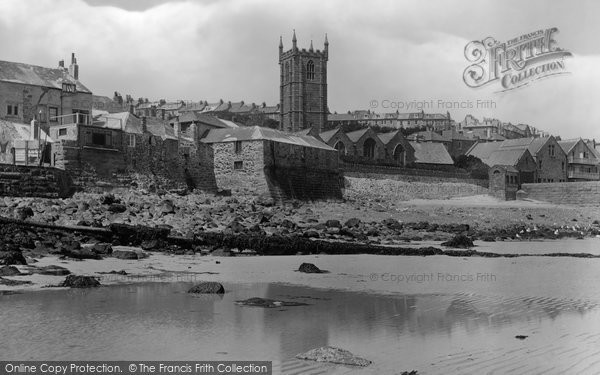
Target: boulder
column 309, row 268
column 392, row 223
column 268, row 303
column 117, row 208
column 52, row 270
column 208, row 287
column 102, row 248
column 352, row 223
column 125, row 254
column 331, row 354
column 9, row 258
column 9, row 282
column 333, row 224
column 23, row 213
column 76, row 281
column 166, row 207
column 459, row 241
column 9, row 271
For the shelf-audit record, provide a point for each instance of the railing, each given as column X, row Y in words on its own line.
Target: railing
column 579, row 160
column 584, row 175
column 72, row 118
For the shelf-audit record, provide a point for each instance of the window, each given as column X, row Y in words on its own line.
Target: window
column 310, row 70
column 131, row 140
column 12, row 110
column 238, row 165
column 98, row 139
column 288, row 73
column 62, row 132
column 562, row 165
column 53, row 114
column 551, row 150
column 238, row 147
column 540, row 164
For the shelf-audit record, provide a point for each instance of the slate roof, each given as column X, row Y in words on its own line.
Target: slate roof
column 193, row 107
column 120, row 121
column 431, row 153
column 428, row 136
column 340, row 117
column 10, row 131
column 387, row 137
column 240, row 107
column 327, row 135
column 504, row 157
column 259, row 133
column 160, row 129
column 532, row 144
column 268, row 109
column 356, row 135
column 206, row 119
column 172, row 106
column 483, row 150
column 568, row 144
column 38, row 76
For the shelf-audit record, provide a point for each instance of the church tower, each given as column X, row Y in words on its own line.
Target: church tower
column 303, row 87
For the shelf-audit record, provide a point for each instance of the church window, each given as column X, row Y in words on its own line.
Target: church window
column 310, row 70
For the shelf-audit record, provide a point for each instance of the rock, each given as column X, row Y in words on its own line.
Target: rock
column 392, row 223
column 352, row 223
column 287, row 223
column 235, row 226
column 125, row 254
column 9, row 271
column 333, row 224
column 117, row 208
column 9, row 258
column 166, row 207
column 459, row 241
column 309, row 268
column 23, row 213
column 102, row 248
column 331, row 354
column 521, row 337
column 109, row 199
column 268, row 303
column 9, row 282
column 311, row 234
column 265, row 200
column 76, row 281
column 208, row 287
column 52, row 270
column 152, row 244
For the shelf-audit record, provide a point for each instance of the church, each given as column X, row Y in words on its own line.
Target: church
column 303, row 88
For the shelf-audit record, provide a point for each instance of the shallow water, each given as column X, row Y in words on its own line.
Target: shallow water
column 433, row 333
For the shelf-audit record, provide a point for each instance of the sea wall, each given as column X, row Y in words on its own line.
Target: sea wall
column 578, row 193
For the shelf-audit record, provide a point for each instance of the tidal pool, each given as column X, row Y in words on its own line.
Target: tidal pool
column 451, row 333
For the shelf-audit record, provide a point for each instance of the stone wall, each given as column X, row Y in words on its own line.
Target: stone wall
column 408, row 174
column 30, row 181
column 282, row 171
column 147, row 160
column 577, row 193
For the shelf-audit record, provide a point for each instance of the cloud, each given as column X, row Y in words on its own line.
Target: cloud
column 396, row 50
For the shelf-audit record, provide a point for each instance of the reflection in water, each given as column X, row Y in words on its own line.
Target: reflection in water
column 161, row 321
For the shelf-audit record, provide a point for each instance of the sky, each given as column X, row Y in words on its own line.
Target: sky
column 383, row 55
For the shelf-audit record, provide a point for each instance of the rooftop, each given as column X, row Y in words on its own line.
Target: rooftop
column 38, row 76
column 256, row 133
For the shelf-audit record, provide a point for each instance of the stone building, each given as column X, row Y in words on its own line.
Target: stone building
column 337, row 139
column 504, row 182
column 23, row 144
column 270, row 162
column 550, row 158
column 430, row 155
column 458, row 143
column 366, row 145
column 397, row 148
column 303, row 87
column 52, row 96
column 582, row 162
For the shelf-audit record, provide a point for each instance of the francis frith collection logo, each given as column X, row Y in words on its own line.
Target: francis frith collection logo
column 514, row 63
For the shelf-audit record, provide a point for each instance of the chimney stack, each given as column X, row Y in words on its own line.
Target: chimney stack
column 144, row 125
column 61, row 64
column 74, row 68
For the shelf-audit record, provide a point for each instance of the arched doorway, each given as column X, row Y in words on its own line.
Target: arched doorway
column 341, row 147
column 369, row 148
column 399, row 154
